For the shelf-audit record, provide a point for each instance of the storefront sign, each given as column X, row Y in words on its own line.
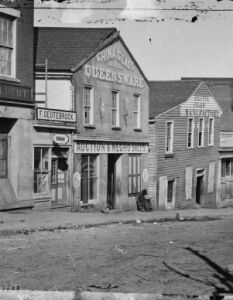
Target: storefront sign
column 61, row 139
column 109, row 147
column 15, row 92
column 226, row 139
column 56, row 115
column 201, row 106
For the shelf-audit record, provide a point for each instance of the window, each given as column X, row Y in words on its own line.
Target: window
column 134, row 183
column 3, row 158
column 7, row 53
column 190, row 133
column 41, row 169
column 170, row 190
column 201, row 133
column 211, row 132
column 169, row 137
column 115, row 109
column 88, row 106
column 89, row 178
column 136, row 112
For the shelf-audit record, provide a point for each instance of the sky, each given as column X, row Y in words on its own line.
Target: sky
column 169, row 39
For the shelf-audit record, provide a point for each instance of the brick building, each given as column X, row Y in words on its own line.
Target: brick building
column 16, row 103
column 222, row 90
column 108, row 93
column 184, row 130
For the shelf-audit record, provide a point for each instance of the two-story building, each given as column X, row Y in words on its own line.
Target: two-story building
column 184, row 131
column 92, row 75
column 16, row 103
column 222, row 90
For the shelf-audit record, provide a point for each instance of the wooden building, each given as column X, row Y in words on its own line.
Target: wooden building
column 107, row 94
column 222, row 90
column 16, row 103
column 184, row 130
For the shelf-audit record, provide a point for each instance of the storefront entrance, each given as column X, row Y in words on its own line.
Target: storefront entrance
column 111, row 193
column 59, row 173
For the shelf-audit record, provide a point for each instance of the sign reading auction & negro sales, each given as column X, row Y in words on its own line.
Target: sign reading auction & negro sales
column 109, row 147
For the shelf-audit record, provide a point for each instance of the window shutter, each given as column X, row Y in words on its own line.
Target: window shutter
column 211, row 176
column 188, row 182
column 162, row 191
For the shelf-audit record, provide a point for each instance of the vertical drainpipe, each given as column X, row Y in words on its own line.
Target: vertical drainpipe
column 72, row 151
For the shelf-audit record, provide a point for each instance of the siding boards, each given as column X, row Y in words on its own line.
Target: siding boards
column 175, row 167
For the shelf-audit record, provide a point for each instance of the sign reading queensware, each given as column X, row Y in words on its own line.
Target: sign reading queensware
column 15, row 92
column 114, row 65
column 56, row 115
column 109, row 147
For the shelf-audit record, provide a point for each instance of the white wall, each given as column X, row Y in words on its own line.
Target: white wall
column 59, row 93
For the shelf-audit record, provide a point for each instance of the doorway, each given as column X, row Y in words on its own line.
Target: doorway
column 111, row 186
column 199, row 189
column 59, row 177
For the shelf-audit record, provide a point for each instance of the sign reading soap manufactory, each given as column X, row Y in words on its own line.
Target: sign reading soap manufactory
column 201, row 106
column 109, row 147
column 15, row 92
column 226, row 139
column 55, row 115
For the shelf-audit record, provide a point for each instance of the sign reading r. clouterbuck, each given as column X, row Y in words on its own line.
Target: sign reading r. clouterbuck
column 55, row 115
column 109, row 147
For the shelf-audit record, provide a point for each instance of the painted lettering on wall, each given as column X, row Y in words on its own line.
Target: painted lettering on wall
column 112, row 53
column 113, row 76
column 226, row 139
column 55, row 115
column 109, row 147
column 200, row 106
column 15, row 92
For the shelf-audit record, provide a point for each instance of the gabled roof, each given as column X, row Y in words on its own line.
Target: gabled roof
column 222, row 90
column 66, row 47
column 165, row 95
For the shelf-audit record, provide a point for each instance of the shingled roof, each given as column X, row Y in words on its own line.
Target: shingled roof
column 165, row 95
column 66, row 47
column 222, row 90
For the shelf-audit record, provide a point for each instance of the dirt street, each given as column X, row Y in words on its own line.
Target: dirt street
column 126, row 258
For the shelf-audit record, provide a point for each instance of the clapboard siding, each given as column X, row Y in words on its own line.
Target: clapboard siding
column 152, row 164
column 175, row 167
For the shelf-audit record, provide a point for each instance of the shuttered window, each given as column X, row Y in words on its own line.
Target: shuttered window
column 201, row 133
column 211, row 132
column 188, row 182
column 115, row 109
column 190, row 133
column 134, row 178
column 211, row 176
column 3, row 158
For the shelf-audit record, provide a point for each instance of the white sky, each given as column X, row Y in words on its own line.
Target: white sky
column 159, row 33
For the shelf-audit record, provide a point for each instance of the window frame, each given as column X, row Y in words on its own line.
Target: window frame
column 202, row 132
column 11, row 15
column 173, row 181
column 89, row 177
column 134, row 172
column 190, row 134
column 169, row 147
column 90, row 108
column 115, row 110
column 137, row 112
column 41, row 171
column 211, row 134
